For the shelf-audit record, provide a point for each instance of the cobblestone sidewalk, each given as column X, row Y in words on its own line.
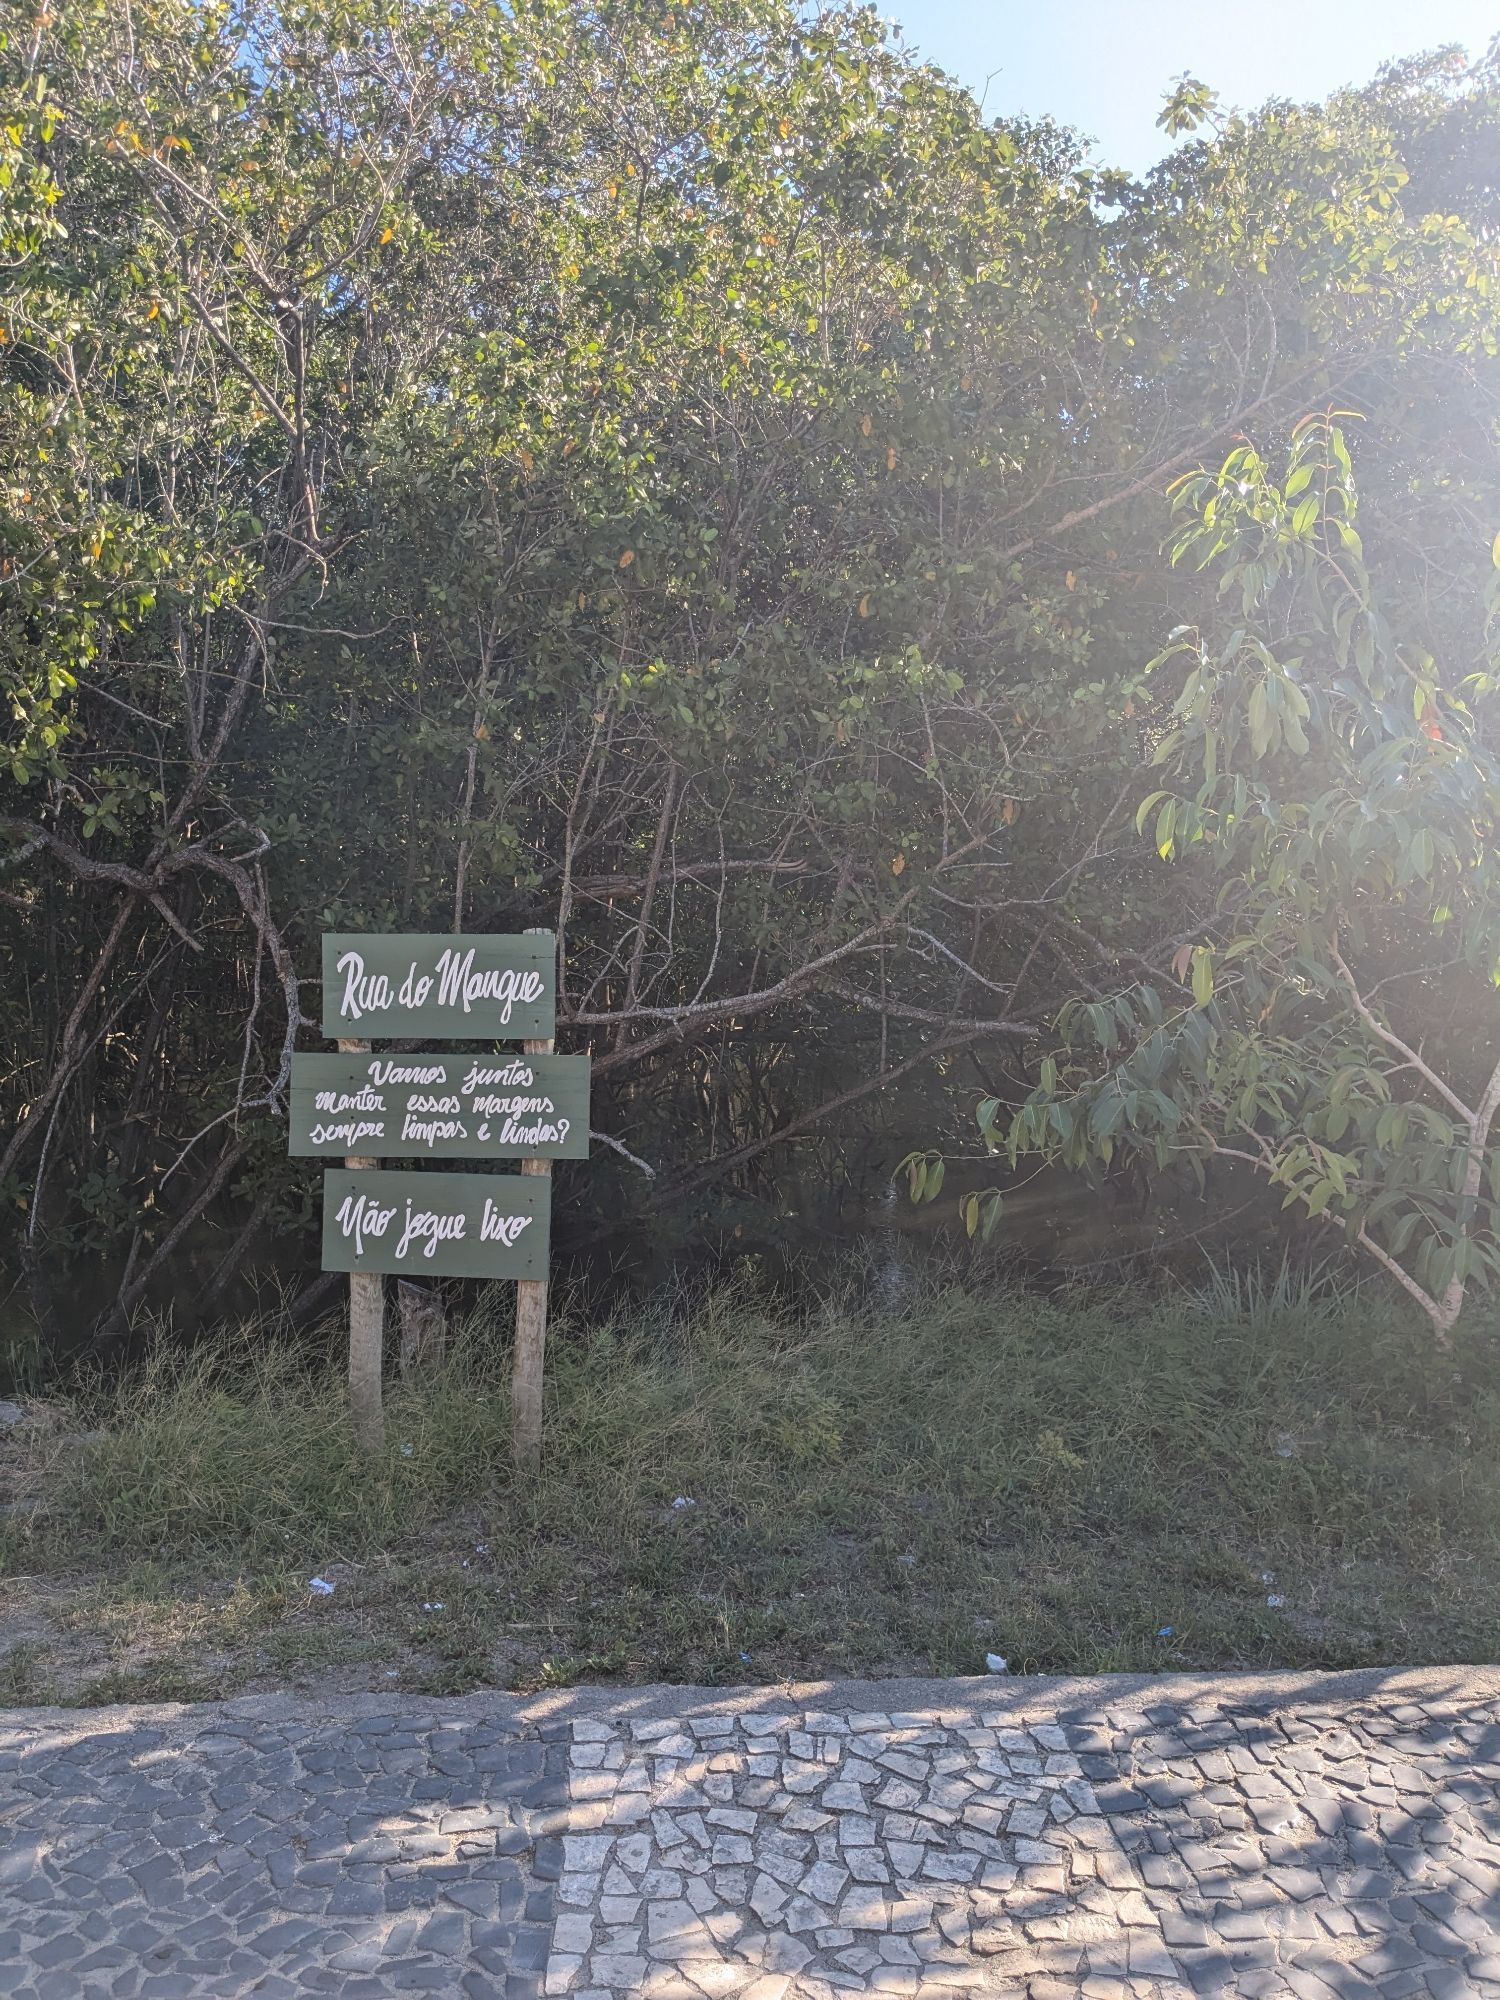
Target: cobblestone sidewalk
column 212, row 1855
column 1310, row 1837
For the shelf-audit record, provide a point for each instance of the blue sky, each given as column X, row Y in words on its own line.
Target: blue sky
column 1105, row 65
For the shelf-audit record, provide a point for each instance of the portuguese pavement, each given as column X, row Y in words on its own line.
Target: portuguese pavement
column 1315, row 1836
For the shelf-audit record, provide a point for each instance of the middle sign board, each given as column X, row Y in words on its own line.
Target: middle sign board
column 440, row 1107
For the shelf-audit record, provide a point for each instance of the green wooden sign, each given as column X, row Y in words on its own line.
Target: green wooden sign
column 436, row 1225
column 490, row 1107
column 476, row 988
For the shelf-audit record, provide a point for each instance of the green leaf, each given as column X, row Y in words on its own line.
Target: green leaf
column 1203, row 974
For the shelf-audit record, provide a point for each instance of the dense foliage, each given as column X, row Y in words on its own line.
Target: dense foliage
column 678, row 474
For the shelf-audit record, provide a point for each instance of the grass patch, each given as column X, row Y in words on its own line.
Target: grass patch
column 1091, row 1481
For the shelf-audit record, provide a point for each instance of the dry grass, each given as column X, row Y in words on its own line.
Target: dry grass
column 1092, row 1481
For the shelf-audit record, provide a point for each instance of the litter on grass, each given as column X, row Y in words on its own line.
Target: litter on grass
column 320, row 1586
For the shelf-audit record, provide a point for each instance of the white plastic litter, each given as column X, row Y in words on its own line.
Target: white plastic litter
column 406, row 1450
column 1275, row 1602
column 320, row 1586
column 434, row 1607
column 683, row 1501
column 997, row 1663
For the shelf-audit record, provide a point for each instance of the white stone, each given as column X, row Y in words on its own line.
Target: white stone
column 800, row 1779
column 786, row 1954
column 905, row 1765
column 697, row 1892
column 766, row 1899
column 675, row 1930
column 899, row 1794
column 628, row 1809
column 586, row 1850
column 911, row 1913
column 863, row 1909
column 625, row 1970
column 896, row 1951
column 825, row 1881
column 950, row 1867
column 592, row 1785
column 715, row 1978
column 620, row 1938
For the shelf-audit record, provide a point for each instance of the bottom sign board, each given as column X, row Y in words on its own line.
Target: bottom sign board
column 436, row 1225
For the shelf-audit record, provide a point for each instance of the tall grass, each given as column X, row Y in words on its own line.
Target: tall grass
column 1060, row 1477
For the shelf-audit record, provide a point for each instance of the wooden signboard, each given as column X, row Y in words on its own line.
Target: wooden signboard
column 496, row 1107
column 362, row 1106
column 436, row 1225
column 476, row 988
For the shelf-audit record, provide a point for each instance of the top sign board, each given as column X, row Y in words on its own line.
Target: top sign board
column 475, row 988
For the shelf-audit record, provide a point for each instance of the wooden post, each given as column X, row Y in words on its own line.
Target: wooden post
column 531, row 1341
column 366, row 1326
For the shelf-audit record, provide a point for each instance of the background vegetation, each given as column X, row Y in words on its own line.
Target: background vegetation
column 678, row 474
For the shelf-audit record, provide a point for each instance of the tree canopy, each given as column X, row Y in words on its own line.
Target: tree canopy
column 681, row 475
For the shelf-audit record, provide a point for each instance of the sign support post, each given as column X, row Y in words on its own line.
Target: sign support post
column 366, row 1325
column 531, row 1341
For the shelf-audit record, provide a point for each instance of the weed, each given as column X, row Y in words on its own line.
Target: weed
column 1060, row 1479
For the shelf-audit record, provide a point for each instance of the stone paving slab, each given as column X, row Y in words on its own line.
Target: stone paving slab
column 1300, row 1835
